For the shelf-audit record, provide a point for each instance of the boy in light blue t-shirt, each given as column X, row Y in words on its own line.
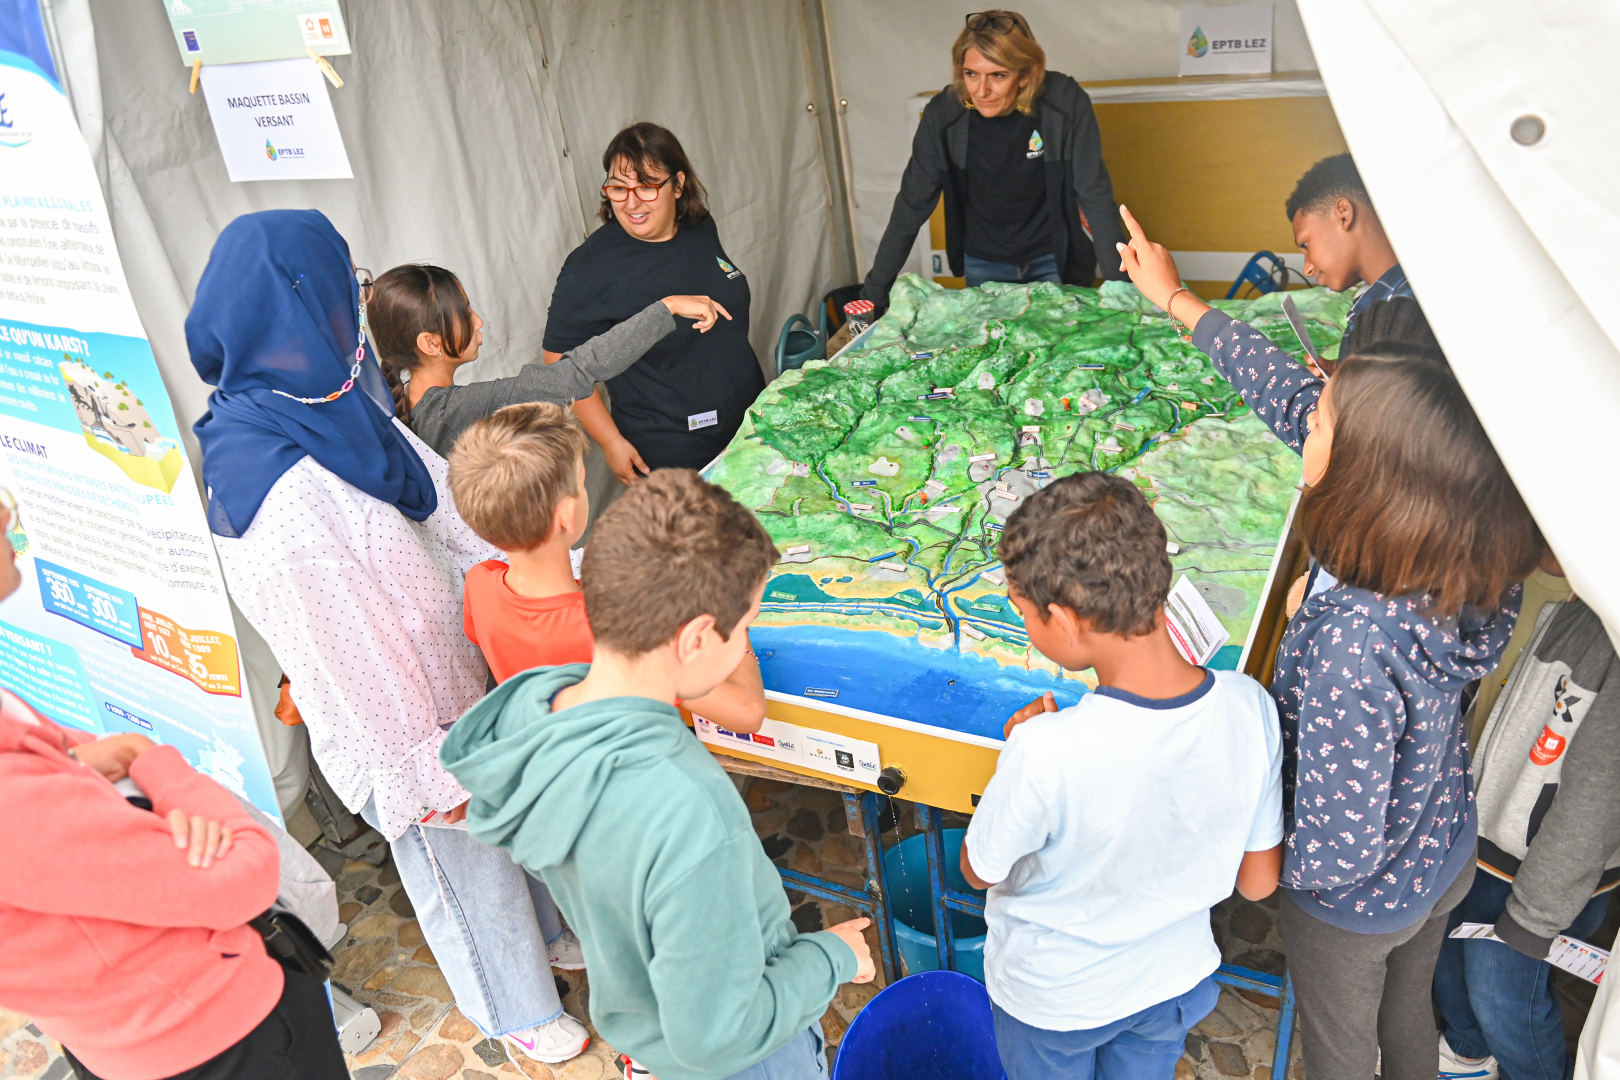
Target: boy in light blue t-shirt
column 1113, row 826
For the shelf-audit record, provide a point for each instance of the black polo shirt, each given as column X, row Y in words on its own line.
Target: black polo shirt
column 681, row 403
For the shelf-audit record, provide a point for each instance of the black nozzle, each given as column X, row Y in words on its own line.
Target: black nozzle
column 891, row 780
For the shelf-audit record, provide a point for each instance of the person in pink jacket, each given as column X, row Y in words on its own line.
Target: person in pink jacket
column 123, row 931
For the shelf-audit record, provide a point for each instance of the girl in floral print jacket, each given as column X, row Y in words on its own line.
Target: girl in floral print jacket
column 1420, row 537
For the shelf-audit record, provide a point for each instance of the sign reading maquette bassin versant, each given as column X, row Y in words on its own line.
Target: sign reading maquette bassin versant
column 122, row 623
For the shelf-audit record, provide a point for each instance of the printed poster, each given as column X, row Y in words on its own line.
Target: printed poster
column 234, row 32
column 122, row 622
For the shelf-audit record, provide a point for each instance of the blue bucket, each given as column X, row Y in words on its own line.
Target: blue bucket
column 933, row 1026
column 906, row 867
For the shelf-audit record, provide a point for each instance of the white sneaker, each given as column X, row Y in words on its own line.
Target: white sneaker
column 633, row 1071
column 562, row 1039
column 567, row 953
column 1453, row 1066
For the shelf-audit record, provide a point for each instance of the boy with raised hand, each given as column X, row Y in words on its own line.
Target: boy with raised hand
column 588, row 776
column 1341, row 235
column 1112, row 827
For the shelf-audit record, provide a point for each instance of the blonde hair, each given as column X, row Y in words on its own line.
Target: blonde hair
column 1014, row 49
column 509, row 471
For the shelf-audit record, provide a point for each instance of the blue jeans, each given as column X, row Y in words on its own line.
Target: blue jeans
column 1143, row 1046
column 1496, row 1000
column 487, row 922
column 805, row 1058
column 1042, row 268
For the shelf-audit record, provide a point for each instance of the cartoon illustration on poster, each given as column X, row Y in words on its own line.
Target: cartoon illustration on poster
column 122, row 622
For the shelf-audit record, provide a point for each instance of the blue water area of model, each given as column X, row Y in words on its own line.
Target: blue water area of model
column 900, row 677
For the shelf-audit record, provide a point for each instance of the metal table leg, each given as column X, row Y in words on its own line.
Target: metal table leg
column 872, row 901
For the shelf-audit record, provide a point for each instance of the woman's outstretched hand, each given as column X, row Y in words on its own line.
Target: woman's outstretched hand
column 701, row 308
column 1151, row 266
column 1153, row 270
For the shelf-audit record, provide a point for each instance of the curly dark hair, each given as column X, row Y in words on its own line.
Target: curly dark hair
column 1327, row 181
column 1091, row 543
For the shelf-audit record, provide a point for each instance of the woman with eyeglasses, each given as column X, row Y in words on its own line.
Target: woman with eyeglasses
column 1015, row 150
column 680, row 404
column 341, row 545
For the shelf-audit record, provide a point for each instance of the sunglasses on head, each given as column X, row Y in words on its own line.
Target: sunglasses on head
column 998, row 22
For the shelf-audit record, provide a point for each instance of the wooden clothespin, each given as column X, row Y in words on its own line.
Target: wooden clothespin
column 196, row 73
column 326, row 68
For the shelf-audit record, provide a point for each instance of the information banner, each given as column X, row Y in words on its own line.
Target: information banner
column 234, row 32
column 122, row 622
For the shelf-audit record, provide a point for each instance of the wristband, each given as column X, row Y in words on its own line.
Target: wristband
column 1181, row 327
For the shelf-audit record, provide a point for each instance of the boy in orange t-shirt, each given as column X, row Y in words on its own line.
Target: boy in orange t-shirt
column 518, row 479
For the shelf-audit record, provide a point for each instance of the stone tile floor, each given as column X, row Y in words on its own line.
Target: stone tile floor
column 385, row 964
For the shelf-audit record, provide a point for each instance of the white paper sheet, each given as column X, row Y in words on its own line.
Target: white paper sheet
column 1194, row 627
column 274, row 121
column 1573, row 955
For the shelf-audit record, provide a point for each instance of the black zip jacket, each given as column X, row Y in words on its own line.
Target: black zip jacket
column 1076, row 179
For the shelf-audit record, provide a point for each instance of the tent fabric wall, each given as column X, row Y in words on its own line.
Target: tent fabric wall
column 733, row 81
column 1505, row 244
column 457, row 123
column 883, row 54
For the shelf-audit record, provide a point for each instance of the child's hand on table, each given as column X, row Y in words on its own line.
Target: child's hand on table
column 850, row 934
column 1044, row 704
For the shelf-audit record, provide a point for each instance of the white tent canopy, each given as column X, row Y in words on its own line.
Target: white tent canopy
column 1506, row 243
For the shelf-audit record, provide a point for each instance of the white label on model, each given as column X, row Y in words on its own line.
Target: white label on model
column 702, row 420
column 820, row 751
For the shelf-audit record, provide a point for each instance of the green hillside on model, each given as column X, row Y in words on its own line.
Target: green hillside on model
column 896, row 464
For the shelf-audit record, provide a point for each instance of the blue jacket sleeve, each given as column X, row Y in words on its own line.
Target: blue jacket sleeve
column 1279, row 390
column 1351, row 718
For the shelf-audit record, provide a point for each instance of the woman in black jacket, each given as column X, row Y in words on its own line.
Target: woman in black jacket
column 1016, row 151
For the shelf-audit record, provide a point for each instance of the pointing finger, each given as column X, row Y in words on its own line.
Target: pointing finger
column 1131, row 224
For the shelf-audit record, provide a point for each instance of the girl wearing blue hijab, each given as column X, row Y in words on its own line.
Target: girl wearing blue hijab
column 275, row 328
column 343, row 550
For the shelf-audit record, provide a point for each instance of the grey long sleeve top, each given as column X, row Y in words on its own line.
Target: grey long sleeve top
column 1553, row 825
column 446, row 411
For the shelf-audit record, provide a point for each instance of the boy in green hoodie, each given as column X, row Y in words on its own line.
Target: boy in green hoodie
column 591, row 780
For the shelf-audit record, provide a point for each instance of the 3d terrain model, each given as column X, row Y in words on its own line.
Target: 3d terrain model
column 885, row 476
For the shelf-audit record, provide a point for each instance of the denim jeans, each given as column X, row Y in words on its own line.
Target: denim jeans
column 1143, row 1046
column 805, row 1058
column 487, row 922
column 1496, row 1000
column 1041, row 268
